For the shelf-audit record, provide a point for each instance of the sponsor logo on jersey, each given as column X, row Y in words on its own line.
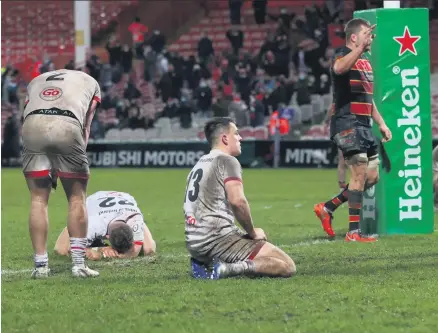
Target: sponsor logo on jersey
column 51, row 94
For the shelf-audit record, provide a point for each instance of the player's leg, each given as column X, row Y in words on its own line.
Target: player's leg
column 75, row 189
column 372, row 172
column 238, row 255
column 73, row 171
column 324, row 210
column 39, row 187
column 342, row 171
column 273, row 262
column 37, row 171
column 264, row 260
column 360, row 164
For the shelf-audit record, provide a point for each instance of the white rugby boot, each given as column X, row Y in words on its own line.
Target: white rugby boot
column 83, row 271
column 40, row 272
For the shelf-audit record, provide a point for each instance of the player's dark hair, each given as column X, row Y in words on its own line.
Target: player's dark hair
column 214, row 126
column 353, row 27
column 121, row 238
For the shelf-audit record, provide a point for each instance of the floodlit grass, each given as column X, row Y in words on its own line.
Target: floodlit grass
column 388, row 286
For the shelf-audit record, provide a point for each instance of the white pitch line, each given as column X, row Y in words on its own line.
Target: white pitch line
column 100, row 264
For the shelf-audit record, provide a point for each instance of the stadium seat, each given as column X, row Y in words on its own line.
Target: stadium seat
column 306, row 112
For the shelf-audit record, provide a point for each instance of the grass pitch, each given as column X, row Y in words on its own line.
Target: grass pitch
column 389, row 286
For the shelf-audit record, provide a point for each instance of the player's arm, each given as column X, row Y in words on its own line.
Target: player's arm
column 343, row 64
column 232, row 175
column 239, row 205
column 88, row 119
column 149, row 245
column 377, row 117
column 62, row 247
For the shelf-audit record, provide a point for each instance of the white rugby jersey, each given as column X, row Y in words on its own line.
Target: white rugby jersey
column 106, row 206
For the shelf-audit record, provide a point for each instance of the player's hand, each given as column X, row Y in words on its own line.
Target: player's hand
column 386, row 133
column 92, row 254
column 258, row 234
column 109, row 252
column 368, row 38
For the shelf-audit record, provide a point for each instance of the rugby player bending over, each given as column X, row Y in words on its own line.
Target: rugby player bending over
column 114, row 216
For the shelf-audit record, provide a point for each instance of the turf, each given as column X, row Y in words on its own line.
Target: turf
column 388, row 286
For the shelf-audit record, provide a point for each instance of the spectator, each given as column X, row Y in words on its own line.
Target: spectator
column 257, row 111
column 150, row 63
column 138, row 31
column 126, row 59
column 70, row 65
column 131, row 92
column 303, row 94
column 164, row 87
column 176, row 82
column 203, row 97
column 114, row 51
column 94, row 66
column 11, row 139
column 157, row 41
column 284, row 20
column 259, row 7
column 235, row 36
column 185, row 113
column 235, row 7
column 205, row 49
column 134, row 120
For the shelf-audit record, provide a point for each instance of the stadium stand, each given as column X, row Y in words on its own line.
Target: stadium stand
column 159, row 97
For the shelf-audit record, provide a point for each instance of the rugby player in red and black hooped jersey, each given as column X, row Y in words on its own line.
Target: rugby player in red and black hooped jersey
column 350, row 126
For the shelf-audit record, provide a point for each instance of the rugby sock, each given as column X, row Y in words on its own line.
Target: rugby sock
column 338, row 200
column 77, row 248
column 238, row 268
column 354, row 207
column 41, row 260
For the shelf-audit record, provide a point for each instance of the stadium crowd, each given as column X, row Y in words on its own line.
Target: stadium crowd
column 144, row 82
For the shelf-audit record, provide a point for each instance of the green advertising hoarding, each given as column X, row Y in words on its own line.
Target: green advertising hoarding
column 402, row 201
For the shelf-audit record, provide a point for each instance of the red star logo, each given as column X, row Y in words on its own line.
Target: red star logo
column 407, row 42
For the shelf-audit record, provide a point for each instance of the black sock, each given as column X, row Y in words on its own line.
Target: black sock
column 338, row 200
column 354, row 207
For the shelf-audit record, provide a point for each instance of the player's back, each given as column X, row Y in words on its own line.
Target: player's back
column 208, row 215
column 66, row 90
column 106, row 206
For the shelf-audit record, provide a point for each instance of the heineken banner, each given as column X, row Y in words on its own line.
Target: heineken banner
column 402, row 200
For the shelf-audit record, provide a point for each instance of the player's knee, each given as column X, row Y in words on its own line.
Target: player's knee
column 373, row 163
column 360, row 159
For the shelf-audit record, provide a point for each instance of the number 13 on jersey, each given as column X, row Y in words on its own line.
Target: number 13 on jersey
column 192, row 189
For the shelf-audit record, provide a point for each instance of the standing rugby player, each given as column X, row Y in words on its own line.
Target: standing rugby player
column 59, row 109
column 350, row 126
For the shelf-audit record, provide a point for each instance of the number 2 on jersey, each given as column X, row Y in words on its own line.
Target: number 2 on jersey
column 110, row 201
column 55, row 77
column 192, row 190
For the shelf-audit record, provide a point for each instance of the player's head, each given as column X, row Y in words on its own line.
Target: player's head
column 222, row 133
column 121, row 236
column 355, row 31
